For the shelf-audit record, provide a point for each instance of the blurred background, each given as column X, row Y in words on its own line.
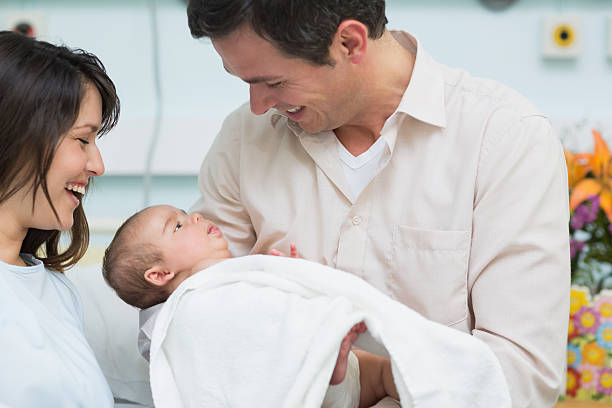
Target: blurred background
column 175, row 92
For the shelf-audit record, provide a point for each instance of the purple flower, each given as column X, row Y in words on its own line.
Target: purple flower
column 604, row 385
column 580, row 216
column 575, row 247
column 587, row 320
column 593, row 209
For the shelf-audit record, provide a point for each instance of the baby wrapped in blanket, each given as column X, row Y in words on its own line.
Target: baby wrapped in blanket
column 265, row 331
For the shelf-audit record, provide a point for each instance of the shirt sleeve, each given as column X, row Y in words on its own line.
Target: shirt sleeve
column 219, row 183
column 519, row 261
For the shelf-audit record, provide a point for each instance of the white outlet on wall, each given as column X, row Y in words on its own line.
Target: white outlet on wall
column 561, row 36
column 30, row 22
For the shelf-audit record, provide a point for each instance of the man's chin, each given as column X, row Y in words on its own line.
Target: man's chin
column 310, row 128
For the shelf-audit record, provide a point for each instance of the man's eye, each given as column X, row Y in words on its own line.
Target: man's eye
column 274, row 85
column 178, row 226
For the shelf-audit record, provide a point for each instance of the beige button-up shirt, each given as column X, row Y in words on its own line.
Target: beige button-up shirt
column 466, row 220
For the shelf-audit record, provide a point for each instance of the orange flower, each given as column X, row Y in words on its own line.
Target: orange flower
column 593, row 354
column 601, row 167
column 577, row 167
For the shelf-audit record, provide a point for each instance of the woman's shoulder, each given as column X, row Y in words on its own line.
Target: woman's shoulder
column 37, row 287
column 69, row 292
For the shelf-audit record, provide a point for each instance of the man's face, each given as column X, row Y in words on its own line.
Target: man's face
column 316, row 97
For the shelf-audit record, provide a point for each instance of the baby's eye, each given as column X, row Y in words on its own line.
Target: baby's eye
column 178, row 226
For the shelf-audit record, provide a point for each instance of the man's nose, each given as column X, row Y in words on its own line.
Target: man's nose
column 261, row 99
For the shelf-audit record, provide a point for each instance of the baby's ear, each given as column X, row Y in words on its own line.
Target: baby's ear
column 158, row 276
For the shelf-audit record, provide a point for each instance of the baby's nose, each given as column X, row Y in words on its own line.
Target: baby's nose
column 195, row 218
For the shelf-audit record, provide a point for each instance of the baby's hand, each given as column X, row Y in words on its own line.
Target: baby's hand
column 345, row 347
column 292, row 248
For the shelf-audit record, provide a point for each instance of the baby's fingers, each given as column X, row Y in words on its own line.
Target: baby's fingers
column 293, row 250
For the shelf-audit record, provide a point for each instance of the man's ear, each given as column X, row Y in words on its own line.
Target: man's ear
column 352, row 39
column 158, row 276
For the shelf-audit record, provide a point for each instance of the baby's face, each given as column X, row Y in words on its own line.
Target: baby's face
column 184, row 239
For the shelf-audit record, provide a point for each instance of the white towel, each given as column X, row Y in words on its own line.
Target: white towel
column 264, row 331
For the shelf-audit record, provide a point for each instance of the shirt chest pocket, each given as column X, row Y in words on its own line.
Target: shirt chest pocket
column 429, row 272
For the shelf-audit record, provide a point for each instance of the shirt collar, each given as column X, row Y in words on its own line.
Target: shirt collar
column 423, row 99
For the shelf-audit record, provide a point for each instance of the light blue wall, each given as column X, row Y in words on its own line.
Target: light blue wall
column 111, row 199
column 506, row 46
column 198, row 93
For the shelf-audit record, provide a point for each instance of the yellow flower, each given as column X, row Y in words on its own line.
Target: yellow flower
column 587, row 319
column 605, row 309
column 571, row 356
column 571, row 329
column 593, row 354
column 579, row 297
column 586, row 375
column 606, row 334
column 606, row 380
column 601, row 184
column 571, row 380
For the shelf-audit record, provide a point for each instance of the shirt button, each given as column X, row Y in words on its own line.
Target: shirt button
column 356, row 220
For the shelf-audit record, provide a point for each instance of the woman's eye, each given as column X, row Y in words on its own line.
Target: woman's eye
column 84, row 141
column 178, row 226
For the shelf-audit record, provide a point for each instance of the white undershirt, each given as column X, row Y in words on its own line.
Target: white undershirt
column 360, row 170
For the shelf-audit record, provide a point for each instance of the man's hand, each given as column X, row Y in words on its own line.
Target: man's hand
column 292, row 254
column 345, row 347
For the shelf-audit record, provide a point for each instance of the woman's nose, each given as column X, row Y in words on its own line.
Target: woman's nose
column 95, row 165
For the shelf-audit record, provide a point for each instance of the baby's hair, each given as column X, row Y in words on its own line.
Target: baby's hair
column 125, row 261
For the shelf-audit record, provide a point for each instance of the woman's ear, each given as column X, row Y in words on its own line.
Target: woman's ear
column 158, row 276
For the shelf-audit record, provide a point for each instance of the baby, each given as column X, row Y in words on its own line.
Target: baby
column 159, row 247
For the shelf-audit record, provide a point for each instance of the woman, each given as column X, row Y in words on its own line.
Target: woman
column 54, row 103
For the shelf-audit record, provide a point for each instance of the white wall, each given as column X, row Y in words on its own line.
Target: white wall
column 198, row 93
column 576, row 94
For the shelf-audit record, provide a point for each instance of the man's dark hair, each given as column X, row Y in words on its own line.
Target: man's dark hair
column 125, row 261
column 299, row 28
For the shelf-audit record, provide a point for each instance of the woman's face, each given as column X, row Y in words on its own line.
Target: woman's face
column 76, row 159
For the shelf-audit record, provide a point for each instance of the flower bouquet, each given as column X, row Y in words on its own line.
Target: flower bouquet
column 589, row 350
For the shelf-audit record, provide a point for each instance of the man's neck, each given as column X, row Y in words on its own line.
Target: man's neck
column 387, row 76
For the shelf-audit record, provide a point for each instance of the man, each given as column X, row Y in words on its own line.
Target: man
column 447, row 192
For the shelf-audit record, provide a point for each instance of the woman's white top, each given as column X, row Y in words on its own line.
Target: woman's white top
column 45, row 360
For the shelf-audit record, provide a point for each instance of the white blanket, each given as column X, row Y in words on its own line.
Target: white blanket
column 264, row 331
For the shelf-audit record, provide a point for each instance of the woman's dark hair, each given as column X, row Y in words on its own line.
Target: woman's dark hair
column 126, row 260
column 299, row 28
column 41, row 88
